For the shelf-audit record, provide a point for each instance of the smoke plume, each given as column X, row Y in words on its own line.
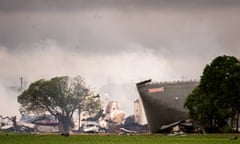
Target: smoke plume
column 112, row 44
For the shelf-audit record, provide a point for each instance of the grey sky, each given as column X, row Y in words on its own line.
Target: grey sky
column 76, row 5
column 116, row 41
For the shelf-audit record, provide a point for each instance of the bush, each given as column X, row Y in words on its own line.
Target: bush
column 228, row 129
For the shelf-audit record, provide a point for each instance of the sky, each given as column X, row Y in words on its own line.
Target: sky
column 112, row 44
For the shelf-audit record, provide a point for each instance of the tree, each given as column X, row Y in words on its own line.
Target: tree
column 60, row 96
column 217, row 98
column 203, row 108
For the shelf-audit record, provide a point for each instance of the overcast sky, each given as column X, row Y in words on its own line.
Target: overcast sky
column 112, row 41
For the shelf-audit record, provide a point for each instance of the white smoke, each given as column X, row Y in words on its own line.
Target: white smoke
column 112, row 47
column 113, row 75
column 8, row 104
column 50, row 60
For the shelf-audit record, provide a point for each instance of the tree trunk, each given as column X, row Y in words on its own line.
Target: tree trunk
column 232, row 117
column 211, row 124
column 237, row 125
column 79, row 118
column 65, row 124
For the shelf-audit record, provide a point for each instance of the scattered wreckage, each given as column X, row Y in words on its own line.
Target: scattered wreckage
column 9, row 124
column 29, row 124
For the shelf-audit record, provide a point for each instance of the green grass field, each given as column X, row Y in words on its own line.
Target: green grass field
column 117, row 139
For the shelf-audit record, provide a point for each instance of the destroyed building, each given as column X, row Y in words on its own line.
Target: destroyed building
column 164, row 102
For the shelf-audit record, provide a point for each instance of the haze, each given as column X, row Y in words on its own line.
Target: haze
column 112, row 44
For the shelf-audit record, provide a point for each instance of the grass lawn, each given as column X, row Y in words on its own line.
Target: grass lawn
column 117, row 139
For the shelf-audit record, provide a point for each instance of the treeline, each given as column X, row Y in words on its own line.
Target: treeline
column 215, row 102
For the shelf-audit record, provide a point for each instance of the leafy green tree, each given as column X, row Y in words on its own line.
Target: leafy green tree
column 203, row 108
column 60, row 96
column 217, row 98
